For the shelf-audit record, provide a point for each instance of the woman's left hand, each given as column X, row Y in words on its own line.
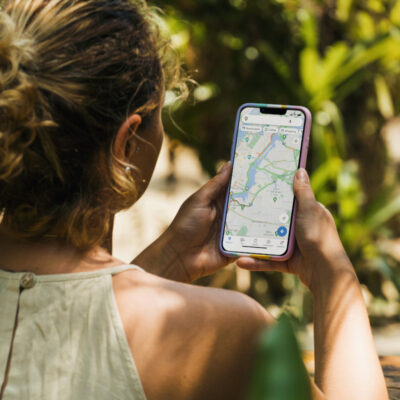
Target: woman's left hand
column 189, row 248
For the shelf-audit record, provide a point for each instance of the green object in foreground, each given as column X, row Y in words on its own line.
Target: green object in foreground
column 279, row 372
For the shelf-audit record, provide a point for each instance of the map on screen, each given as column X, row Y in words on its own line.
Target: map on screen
column 261, row 196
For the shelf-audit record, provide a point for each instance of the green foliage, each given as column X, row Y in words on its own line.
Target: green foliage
column 279, row 372
column 339, row 58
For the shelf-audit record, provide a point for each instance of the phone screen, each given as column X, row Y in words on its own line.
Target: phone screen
column 261, row 200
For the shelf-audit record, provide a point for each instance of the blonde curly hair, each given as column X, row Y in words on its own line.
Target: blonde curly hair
column 71, row 71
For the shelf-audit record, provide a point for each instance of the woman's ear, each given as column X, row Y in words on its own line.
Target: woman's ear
column 125, row 133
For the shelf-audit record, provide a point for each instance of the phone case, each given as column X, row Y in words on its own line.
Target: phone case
column 302, row 164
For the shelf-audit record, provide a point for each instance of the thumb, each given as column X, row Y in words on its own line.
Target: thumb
column 213, row 187
column 302, row 190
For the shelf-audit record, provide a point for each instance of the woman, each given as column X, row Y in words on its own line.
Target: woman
column 81, row 88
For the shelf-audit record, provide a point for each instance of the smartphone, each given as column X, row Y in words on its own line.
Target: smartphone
column 270, row 143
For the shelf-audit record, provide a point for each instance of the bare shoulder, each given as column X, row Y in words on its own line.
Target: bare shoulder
column 188, row 342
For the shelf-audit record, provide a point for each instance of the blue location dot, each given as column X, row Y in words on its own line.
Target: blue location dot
column 282, row 231
column 247, row 139
column 249, row 157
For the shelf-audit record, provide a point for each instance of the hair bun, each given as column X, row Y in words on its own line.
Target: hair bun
column 18, row 119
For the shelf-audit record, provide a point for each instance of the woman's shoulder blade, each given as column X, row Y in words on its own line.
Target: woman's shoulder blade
column 219, row 327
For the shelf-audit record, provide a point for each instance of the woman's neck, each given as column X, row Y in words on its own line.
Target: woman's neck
column 50, row 256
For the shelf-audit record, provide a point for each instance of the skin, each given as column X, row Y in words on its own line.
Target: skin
column 347, row 366
column 192, row 342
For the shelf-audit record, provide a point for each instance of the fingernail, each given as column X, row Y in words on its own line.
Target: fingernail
column 225, row 167
column 302, row 175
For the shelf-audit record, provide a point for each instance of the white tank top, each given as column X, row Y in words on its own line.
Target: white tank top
column 64, row 338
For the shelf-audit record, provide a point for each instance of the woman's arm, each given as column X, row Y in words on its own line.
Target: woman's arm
column 188, row 249
column 346, row 363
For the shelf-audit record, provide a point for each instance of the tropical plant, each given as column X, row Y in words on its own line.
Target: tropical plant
column 278, row 370
column 340, row 58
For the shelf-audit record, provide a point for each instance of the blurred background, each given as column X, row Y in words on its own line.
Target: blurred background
column 339, row 58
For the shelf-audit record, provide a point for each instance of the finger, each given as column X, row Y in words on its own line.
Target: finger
column 254, row 264
column 219, row 200
column 229, row 259
column 302, row 189
column 214, row 186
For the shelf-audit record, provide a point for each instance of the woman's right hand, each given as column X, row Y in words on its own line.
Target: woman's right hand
column 319, row 249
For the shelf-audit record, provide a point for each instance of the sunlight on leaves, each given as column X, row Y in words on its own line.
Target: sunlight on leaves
column 343, row 9
column 385, row 103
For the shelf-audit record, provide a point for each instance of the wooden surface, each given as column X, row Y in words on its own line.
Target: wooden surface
column 391, row 370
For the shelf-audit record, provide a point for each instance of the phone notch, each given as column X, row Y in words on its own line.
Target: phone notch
column 273, row 110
